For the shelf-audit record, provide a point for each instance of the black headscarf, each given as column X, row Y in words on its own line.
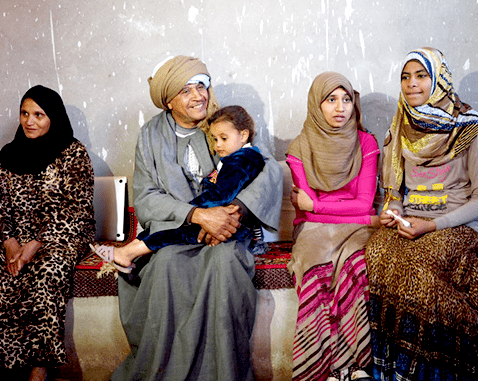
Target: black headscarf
column 24, row 155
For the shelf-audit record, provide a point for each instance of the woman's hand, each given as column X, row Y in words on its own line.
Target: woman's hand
column 418, row 227
column 375, row 221
column 22, row 256
column 387, row 220
column 12, row 248
column 12, row 253
column 301, row 200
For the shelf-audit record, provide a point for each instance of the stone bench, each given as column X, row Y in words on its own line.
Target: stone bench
column 95, row 339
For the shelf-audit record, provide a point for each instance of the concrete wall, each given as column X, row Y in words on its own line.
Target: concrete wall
column 261, row 54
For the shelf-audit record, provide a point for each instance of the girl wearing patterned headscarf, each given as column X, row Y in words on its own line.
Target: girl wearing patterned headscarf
column 424, row 277
column 334, row 168
column 46, row 219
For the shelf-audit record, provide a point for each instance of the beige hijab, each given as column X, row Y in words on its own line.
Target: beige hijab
column 170, row 79
column 331, row 156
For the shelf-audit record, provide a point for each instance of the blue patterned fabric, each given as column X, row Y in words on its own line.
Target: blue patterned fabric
column 394, row 362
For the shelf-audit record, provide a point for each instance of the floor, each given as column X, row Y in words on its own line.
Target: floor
column 96, row 343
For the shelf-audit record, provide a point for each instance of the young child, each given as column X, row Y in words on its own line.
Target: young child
column 232, row 130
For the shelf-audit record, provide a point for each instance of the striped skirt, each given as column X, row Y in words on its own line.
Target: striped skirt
column 332, row 331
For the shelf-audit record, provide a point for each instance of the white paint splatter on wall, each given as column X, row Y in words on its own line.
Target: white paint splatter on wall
column 348, row 10
column 270, row 124
column 54, row 53
column 97, row 51
column 192, row 14
column 300, row 70
column 393, row 68
column 141, row 118
column 362, row 43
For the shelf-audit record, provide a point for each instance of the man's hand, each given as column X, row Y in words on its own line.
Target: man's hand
column 218, row 224
column 208, row 239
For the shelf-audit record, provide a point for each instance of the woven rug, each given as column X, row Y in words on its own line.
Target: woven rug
column 90, row 278
column 271, row 267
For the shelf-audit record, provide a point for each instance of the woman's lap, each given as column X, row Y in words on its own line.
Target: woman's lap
column 32, row 310
column 332, row 327
column 423, row 304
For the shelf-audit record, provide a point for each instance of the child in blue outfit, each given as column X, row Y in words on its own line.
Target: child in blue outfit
column 232, row 130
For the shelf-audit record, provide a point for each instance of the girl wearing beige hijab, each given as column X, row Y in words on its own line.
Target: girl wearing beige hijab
column 334, row 167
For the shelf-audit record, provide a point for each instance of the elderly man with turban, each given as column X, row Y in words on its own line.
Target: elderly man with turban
column 190, row 315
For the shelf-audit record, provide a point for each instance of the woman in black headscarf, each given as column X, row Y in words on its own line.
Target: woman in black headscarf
column 46, row 221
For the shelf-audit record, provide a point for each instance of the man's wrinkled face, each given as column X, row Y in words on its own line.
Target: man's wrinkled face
column 189, row 107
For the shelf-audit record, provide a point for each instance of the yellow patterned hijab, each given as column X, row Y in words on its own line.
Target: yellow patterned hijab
column 332, row 157
column 430, row 134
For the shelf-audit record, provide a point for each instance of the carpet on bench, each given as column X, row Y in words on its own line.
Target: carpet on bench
column 271, row 268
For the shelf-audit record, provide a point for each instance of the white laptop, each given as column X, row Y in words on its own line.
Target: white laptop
column 110, row 205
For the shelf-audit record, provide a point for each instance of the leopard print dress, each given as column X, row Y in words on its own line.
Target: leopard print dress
column 54, row 207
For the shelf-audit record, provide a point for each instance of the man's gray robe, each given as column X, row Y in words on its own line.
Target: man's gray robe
column 192, row 315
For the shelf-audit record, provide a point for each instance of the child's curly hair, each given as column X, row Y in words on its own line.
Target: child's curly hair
column 236, row 115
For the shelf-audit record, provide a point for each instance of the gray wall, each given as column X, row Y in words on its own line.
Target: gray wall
column 261, row 54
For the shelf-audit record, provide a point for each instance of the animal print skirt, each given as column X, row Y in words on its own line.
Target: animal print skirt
column 32, row 309
column 424, row 305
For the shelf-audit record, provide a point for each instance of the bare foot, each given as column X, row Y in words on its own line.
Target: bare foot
column 124, row 255
column 38, row 374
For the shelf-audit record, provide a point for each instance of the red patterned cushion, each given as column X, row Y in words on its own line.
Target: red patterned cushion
column 271, row 268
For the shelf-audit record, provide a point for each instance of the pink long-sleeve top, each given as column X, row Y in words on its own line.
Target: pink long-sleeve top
column 350, row 204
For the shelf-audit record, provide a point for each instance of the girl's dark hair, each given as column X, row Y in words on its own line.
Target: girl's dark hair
column 236, row 115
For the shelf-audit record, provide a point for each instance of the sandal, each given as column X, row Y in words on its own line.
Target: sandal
column 106, row 253
column 360, row 375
